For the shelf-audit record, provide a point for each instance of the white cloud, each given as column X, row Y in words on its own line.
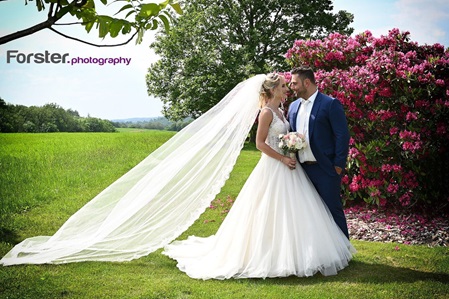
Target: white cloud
column 428, row 22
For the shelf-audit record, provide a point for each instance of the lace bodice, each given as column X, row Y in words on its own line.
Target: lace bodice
column 278, row 126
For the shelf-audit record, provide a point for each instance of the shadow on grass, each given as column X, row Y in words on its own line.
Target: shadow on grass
column 356, row 272
column 360, row 272
column 8, row 236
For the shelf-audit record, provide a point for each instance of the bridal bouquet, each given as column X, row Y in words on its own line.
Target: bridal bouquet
column 292, row 142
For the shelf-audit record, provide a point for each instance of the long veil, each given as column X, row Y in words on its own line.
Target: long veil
column 158, row 199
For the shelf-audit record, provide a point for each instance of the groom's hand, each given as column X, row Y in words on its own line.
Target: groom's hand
column 338, row 170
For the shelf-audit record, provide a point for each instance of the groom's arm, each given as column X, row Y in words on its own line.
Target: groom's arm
column 341, row 132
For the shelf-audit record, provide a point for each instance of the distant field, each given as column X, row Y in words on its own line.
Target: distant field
column 45, row 178
column 132, row 130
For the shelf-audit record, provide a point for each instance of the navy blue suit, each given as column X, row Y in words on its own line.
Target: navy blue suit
column 329, row 142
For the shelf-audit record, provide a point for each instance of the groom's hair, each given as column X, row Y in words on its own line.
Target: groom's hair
column 304, row 72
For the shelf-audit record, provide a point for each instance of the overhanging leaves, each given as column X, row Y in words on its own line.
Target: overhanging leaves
column 142, row 16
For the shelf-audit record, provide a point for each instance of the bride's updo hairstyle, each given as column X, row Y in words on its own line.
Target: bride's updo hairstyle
column 272, row 80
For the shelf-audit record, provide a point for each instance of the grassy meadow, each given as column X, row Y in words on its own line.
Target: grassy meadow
column 45, row 178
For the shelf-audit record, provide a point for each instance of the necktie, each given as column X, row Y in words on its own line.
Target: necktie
column 303, row 117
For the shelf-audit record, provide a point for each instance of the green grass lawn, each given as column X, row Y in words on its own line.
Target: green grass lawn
column 45, row 178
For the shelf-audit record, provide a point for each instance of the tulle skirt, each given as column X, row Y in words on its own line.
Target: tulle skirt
column 277, row 227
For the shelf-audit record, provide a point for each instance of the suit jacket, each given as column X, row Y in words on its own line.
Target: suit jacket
column 328, row 131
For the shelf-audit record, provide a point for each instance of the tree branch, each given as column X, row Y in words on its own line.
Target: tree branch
column 50, row 10
column 92, row 44
column 51, row 20
column 22, row 33
column 68, row 24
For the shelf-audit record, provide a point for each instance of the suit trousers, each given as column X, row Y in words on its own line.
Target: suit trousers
column 329, row 188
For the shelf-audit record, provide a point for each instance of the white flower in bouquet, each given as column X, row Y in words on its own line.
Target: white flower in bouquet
column 292, row 142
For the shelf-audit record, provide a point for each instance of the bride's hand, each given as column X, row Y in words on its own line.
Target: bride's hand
column 290, row 162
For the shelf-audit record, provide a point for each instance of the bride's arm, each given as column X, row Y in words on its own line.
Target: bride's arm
column 265, row 118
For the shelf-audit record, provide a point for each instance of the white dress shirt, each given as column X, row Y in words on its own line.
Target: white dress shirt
column 302, row 126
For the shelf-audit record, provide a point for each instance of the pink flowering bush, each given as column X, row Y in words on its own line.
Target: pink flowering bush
column 396, row 96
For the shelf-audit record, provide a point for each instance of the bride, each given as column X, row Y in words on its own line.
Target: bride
column 277, row 227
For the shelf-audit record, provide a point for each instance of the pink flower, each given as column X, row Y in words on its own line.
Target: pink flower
column 371, row 116
column 411, row 116
column 405, row 199
column 439, row 82
column 397, row 168
column 375, row 193
column 386, row 115
column 353, row 152
column 407, row 146
column 354, row 186
column 441, row 129
column 421, row 103
column 394, row 131
column 393, row 188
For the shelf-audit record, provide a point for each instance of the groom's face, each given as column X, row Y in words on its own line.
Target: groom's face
column 297, row 85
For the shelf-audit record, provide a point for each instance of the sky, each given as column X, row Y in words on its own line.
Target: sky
column 119, row 91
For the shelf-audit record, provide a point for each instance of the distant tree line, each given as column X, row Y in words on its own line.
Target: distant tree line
column 158, row 123
column 48, row 118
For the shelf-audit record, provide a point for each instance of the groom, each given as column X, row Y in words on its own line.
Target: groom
column 323, row 122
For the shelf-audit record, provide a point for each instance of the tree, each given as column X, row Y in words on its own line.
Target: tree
column 48, row 118
column 2, row 103
column 217, row 44
column 147, row 16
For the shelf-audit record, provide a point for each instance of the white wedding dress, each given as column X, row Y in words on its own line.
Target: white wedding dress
column 278, row 226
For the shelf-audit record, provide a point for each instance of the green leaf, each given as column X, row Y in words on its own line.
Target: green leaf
column 152, row 26
column 115, row 27
column 129, row 13
column 126, row 28
column 127, row 6
column 105, row 18
column 104, row 2
column 104, row 27
column 140, row 36
column 166, row 22
column 89, row 4
column 40, row 5
column 149, row 10
column 177, row 8
column 105, row 23
column 89, row 26
column 164, row 4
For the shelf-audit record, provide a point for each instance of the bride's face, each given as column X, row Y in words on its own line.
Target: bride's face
column 280, row 91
